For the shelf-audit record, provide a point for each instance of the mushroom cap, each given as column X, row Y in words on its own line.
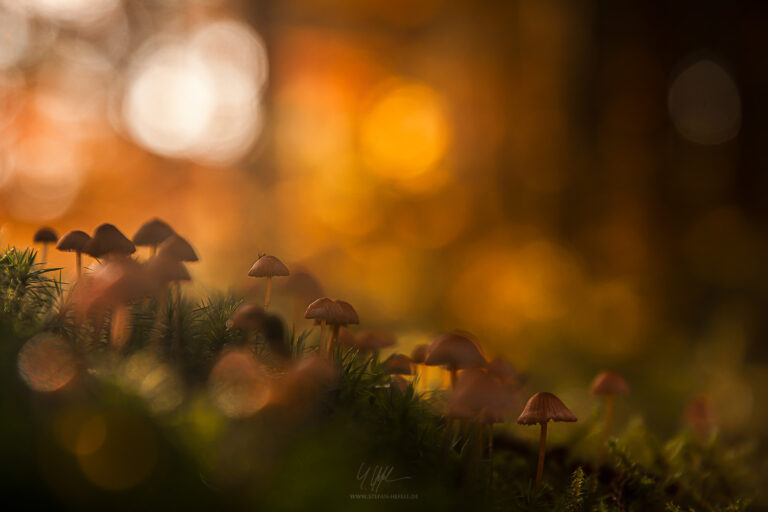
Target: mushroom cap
column 45, row 235
column 164, row 270
column 247, row 316
column 609, row 383
column 349, row 315
column 419, row 353
column 503, row 371
column 454, row 351
column 398, row 364
column 152, row 232
column 369, row 341
column 177, row 248
column 268, row 266
column 325, row 309
column 543, row 407
column 75, row 241
column 478, row 396
column 107, row 239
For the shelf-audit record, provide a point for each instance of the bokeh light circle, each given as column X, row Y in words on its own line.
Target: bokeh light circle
column 704, row 103
column 47, row 362
column 238, row 385
column 405, row 132
column 198, row 96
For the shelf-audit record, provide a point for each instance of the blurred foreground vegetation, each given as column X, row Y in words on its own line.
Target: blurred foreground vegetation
column 139, row 429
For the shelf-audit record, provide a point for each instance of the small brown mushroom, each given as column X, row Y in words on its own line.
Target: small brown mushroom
column 542, row 408
column 398, row 364
column 247, row 317
column 45, row 236
column 348, row 316
column 608, row 384
column 325, row 310
column 455, row 352
column 177, row 248
column 269, row 267
column 152, row 233
column 74, row 241
column 108, row 240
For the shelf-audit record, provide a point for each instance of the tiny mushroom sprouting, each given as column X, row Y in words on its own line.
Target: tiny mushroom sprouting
column 540, row 409
column 269, row 267
column 151, row 234
column 456, row 352
column 108, row 241
column 45, row 236
column 74, row 241
column 325, row 311
column 699, row 417
column 608, row 384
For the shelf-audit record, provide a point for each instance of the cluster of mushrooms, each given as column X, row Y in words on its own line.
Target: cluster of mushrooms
column 482, row 392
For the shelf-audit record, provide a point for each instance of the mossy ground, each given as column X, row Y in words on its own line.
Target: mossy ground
column 311, row 459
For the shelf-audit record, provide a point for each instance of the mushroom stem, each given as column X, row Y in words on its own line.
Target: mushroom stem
column 78, row 263
column 542, row 449
column 608, row 425
column 453, row 377
column 322, row 336
column 44, row 259
column 333, row 336
column 152, row 250
column 269, row 292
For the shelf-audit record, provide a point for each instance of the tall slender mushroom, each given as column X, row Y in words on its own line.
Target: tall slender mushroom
column 177, row 248
column 348, row 316
column 542, row 408
column 152, row 233
column 269, row 267
column 324, row 310
column 74, row 241
column 45, row 236
column 455, row 352
column 108, row 240
column 608, row 384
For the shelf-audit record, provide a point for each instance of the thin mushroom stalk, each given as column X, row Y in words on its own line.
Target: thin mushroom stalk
column 269, row 292
column 79, row 263
column 542, row 451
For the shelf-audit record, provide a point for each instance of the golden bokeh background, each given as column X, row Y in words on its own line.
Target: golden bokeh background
column 579, row 185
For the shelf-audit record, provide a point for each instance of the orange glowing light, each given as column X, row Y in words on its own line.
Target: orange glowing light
column 405, row 132
column 47, row 362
